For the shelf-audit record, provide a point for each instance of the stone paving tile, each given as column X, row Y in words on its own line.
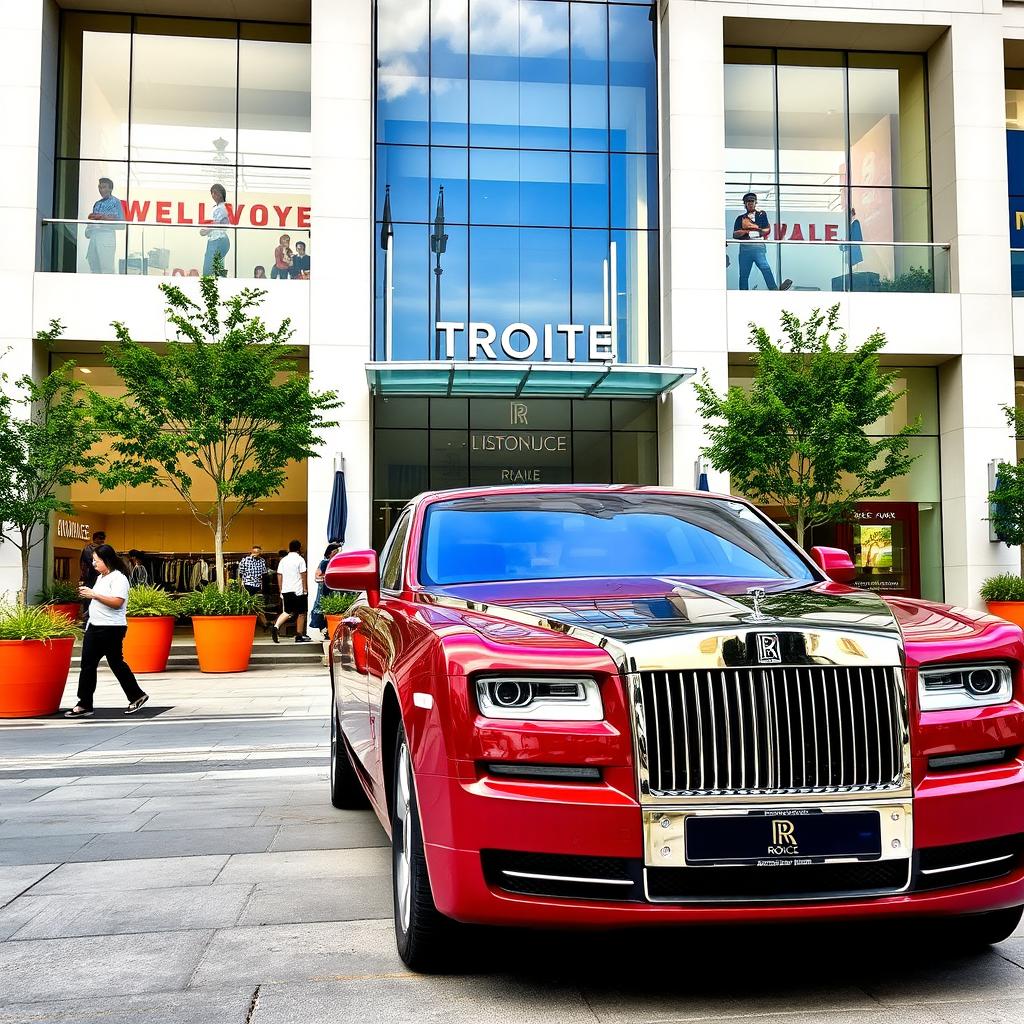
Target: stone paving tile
column 131, row 874
column 1001, row 1011
column 15, row 796
column 217, row 817
column 304, row 814
column 16, row 879
column 82, row 793
column 41, row 848
column 983, row 975
column 175, row 843
column 297, row 952
column 181, row 908
column 71, row 808
column 100, row 965
column 387, row 999
column 221, row 1007
column 341, row 835
column 306, row 864
column 351, row 899
column 48, row 825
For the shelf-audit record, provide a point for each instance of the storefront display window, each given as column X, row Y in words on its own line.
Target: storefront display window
column 165, row 108
column 516, row 176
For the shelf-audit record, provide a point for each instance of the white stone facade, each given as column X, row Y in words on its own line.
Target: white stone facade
column 973, row 334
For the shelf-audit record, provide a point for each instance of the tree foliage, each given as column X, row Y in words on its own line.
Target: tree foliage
column 225, row 403
column 47, row 437
column 798, row 438
column 1006, row 501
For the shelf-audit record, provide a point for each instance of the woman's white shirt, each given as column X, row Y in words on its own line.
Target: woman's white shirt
column 114, row 584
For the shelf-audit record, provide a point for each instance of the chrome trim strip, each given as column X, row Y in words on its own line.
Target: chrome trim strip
column 569, row 878
column 964, row 867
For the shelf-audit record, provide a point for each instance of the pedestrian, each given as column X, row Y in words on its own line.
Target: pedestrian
column 291, row 579
column 251, row 570
column 103, row 236
column 104, row 635
column 316, row 617
column 752, row 227
column 216, row 237
column 87, row 574
column 300, row 262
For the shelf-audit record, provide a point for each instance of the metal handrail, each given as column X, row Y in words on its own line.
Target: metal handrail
column 840, row 241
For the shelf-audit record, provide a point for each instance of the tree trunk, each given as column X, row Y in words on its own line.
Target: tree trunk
column 218, row 541
column 23, row 593
column 800, row 527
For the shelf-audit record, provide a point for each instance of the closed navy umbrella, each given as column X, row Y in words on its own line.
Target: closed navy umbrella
column 337, row 516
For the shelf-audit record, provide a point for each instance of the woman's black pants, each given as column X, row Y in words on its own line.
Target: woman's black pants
column 105, row 642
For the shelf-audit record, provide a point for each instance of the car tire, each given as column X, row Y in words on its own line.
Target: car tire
column 426, row 939
column 972, row 931
column 347, row 792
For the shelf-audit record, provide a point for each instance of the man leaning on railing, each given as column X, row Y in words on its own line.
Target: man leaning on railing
column 102, row 238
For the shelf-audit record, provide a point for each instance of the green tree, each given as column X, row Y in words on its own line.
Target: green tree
column 798, row 439
column 224, row 402
column 1007, row 500
column 47, row 436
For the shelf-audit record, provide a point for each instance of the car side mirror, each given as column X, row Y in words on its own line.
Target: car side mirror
column 355, row 570
column 835, row 563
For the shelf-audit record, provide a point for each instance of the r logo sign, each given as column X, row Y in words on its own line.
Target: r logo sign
column 517, row 415
column 768, row 649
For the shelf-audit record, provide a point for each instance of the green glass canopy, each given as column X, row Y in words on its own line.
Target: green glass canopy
column 536, row 380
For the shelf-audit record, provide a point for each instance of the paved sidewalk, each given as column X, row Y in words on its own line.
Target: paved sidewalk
column 187, row 868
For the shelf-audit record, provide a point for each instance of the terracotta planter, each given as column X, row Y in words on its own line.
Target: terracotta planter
column 1011, row 610
column 224, row 642
column 332, row 624
column 147, row 643
column 70, row 610
column 32, row 676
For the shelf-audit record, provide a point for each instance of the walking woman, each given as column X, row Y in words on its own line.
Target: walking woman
column 104, row 636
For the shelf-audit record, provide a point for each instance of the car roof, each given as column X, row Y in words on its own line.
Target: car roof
column 519, row 489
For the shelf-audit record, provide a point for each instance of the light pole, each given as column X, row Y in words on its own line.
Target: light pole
column 438, row 244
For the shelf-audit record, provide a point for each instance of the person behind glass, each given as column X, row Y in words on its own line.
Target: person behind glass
column 259, row 272
column 251, row 570
column 216, row 237
column 282, row 268
column 316, row 617
column 103, row 238
column 139, row 575
column 104, row 636
column 87, row 574
column 291, row 579
column 300, row 262
column 753, row 224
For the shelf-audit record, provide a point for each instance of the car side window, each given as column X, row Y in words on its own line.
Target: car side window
column 391, row 568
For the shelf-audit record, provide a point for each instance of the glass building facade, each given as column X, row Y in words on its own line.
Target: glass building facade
column 835, row 146
column 517, row 175
column 165, row 108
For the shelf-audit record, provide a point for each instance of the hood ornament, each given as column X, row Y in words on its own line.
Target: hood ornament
column 757, row 594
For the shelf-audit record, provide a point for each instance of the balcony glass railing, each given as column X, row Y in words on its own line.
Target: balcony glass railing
column 838, row 266
column 170, row 250
column 1017, row 272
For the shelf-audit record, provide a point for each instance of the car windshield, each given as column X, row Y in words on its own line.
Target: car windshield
column 494, row 538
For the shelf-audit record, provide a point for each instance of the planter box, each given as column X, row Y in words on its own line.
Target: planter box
column 1013, row 611
column 147, row 644
column 224, row 642
column 70, row 610
column 333, row 621
column 33, row 674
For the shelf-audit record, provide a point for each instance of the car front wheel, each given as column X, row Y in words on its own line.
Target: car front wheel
column 425, row 937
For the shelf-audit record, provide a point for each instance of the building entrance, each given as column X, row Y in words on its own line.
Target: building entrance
column 425, row 444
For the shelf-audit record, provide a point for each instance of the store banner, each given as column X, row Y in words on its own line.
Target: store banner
column 1015, row 176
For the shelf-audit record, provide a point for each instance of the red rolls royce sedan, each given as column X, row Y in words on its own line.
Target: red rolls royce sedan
column 597, row 705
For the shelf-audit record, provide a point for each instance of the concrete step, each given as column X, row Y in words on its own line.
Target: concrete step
column 265, row 654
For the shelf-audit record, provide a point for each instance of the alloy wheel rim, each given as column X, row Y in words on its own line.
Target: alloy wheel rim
column 403, row 838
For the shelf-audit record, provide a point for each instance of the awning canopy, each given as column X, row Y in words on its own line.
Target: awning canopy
column 554, row 380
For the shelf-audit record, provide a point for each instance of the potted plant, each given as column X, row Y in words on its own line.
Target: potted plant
column 35, row 658
column 61, row 598
column 334, row 606
column 147, row 644
column 1004, row 595
column 224, row 623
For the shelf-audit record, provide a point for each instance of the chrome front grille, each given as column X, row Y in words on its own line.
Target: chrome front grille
column 772, row 730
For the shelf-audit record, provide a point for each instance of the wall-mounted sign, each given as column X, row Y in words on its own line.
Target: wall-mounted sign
column 72, row 529
column 522, row 341
column 257, row 215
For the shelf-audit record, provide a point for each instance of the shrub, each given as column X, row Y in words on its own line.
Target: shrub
column 33, row 623
column 1006, row 587
column 59, row 592
column 146, row 602
column 234, row 599
column 336, row 604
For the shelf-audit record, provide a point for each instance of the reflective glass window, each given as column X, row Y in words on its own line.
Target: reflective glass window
column 632, row 75
column 812, row 117
column 749, row 115
column 403, row 70
column 449, row 73
column 589, row 69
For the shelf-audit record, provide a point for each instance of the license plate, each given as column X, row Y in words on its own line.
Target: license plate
column 780, row 837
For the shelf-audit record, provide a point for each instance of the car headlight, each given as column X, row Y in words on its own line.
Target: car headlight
column 943, row 687
column 544, row 699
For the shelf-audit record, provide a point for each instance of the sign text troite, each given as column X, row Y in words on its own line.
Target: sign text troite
column 594, row 343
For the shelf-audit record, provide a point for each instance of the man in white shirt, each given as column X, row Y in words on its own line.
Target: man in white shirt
column 291, row 579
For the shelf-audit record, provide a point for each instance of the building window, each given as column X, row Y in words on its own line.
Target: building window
column 834, row 145
column 165, row 108
column 517, row 157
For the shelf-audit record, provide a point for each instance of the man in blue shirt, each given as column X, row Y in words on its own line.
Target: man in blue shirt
column 753, row 224
column 102, row 238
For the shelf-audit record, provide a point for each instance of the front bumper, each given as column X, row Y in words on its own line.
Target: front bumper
column 489, row 822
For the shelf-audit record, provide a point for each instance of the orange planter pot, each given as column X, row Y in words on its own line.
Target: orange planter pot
column 147, row 644
column 332, row 624
column 224, row 642
column 70, row 610
column 1011, row 610
column 32, row 676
